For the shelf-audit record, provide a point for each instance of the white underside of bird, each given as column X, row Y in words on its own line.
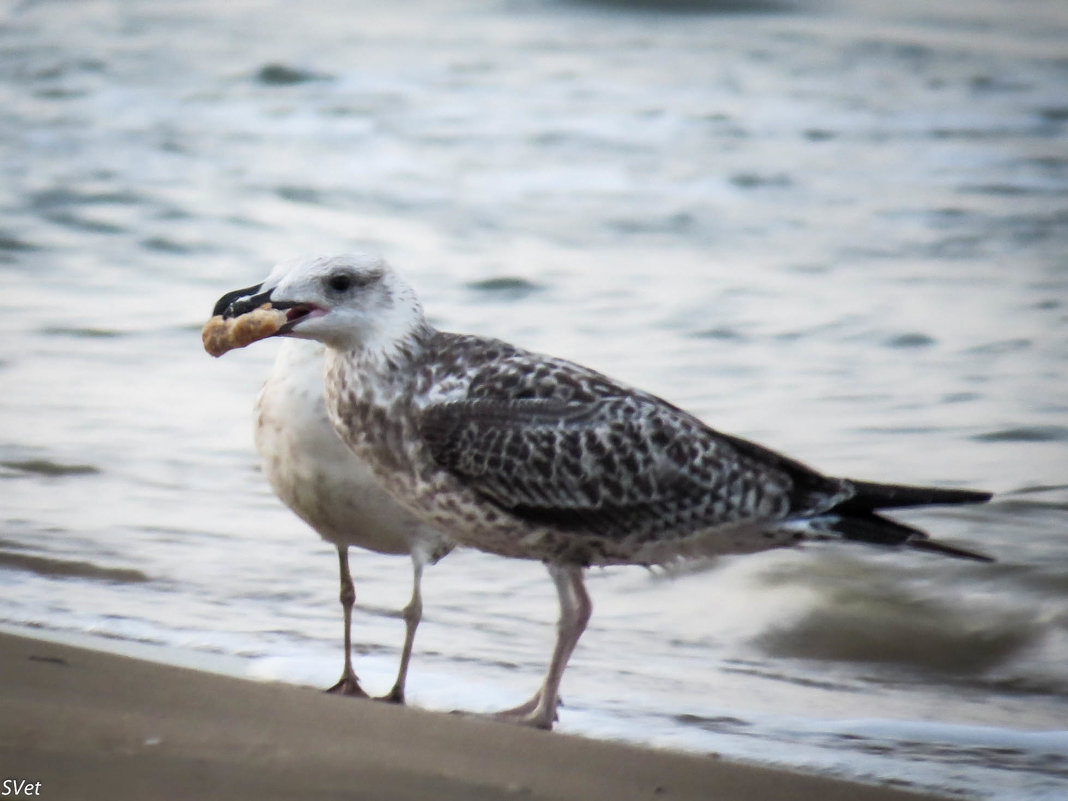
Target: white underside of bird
column 313, row 472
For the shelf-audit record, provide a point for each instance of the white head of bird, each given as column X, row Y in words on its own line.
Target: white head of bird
column 351, row 302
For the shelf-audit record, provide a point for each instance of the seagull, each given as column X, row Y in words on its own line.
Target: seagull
column 331, row 489
column 534, row 457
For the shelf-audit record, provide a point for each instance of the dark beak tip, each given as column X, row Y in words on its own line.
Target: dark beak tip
column 224, row 304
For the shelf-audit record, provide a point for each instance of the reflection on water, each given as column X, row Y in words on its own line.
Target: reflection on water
column 837, row 229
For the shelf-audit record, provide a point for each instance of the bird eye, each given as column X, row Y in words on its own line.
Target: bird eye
column 339, row 282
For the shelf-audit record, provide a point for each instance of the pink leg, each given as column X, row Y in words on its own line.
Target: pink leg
column 575, row 609
column 413, row 613
column 348, row 684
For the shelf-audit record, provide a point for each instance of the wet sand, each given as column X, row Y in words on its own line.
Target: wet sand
column 93, row 725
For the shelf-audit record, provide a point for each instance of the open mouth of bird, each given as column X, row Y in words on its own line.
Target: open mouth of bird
column 295, row 313
column 247, row 315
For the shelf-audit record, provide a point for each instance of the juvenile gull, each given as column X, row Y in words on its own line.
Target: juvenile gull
column 529, row 456
column 330, row 488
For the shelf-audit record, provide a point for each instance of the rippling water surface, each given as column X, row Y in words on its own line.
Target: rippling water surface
column 838, row 228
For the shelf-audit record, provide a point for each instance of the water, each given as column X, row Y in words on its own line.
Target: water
column 837, row 228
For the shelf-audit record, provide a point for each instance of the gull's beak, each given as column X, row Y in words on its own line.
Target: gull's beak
column 244, row 316
column 222, row 305
column 240, row 301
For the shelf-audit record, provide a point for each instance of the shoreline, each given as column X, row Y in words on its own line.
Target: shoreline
column 89, row 724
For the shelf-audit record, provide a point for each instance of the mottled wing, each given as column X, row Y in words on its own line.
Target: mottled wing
column 613, row 466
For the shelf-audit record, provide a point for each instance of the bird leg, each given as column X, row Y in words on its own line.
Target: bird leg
column 413, row 613
column 524, row 708
column 348, row 684
column 575, row 609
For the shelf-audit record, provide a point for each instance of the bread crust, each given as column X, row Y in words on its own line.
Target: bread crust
column 221, row 335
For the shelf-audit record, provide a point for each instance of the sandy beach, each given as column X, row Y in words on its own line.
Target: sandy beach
column 88, row 725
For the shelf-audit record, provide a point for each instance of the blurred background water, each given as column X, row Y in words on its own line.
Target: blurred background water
column 836, row 227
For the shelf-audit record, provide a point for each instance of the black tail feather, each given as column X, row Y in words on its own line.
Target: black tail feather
column 866, row 526
column 948, row 550
column 870, row 497
column 871, row 528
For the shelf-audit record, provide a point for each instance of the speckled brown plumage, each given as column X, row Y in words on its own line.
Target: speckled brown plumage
column 534, row 457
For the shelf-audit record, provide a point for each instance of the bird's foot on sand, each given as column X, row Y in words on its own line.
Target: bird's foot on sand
column 533, row 719
column 530, row 714
column 394, row 696
column 348, row 685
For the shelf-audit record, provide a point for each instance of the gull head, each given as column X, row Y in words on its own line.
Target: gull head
column 347, row 302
